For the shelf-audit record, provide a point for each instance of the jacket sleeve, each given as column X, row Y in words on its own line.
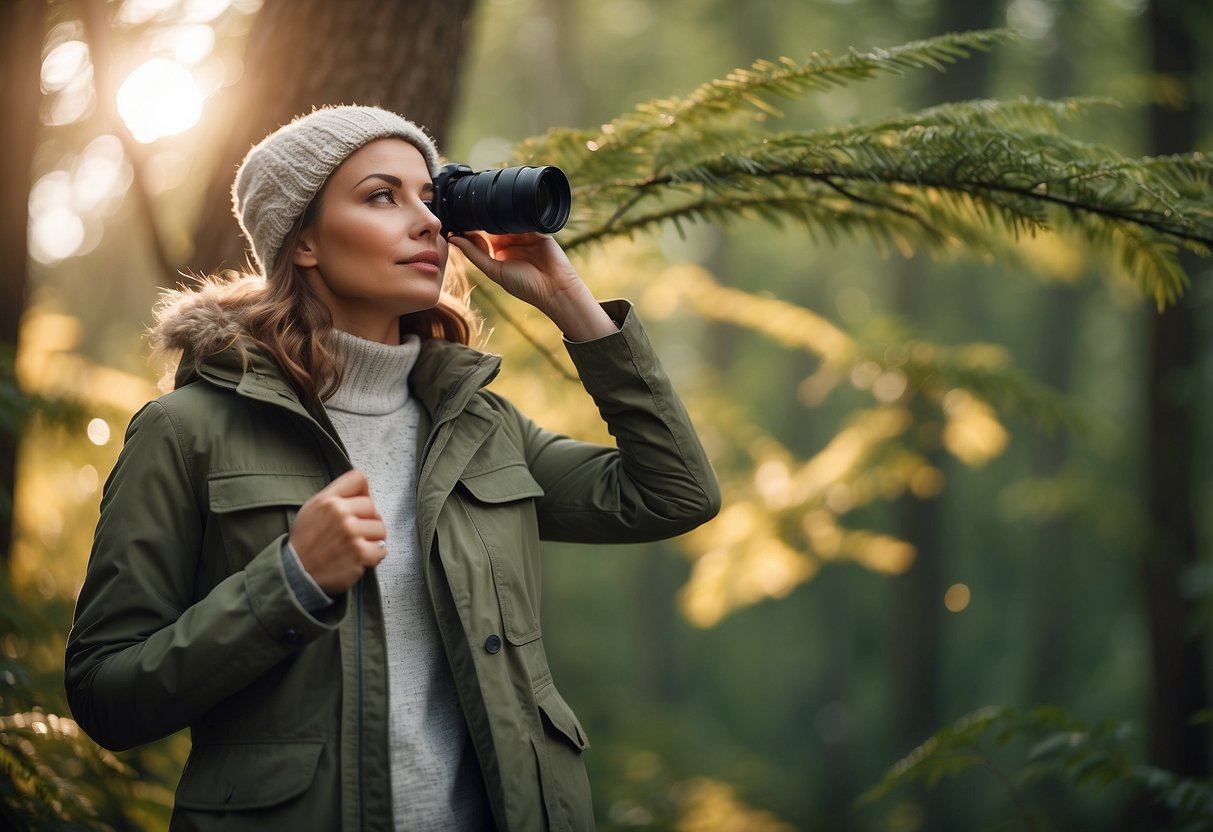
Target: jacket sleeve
column 146, row 658
column 657, row 481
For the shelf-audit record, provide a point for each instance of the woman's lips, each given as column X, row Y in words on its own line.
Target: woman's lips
column 425, row 261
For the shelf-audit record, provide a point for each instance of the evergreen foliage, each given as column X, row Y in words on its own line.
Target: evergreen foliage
column 52, row 776
column 969, row 175
column 1020, row 749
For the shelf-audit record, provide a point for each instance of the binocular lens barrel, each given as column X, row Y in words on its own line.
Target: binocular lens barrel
column 504, row 201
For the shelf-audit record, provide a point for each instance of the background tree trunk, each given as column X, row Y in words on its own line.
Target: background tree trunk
column 403, row 55
column 1179, row 664
column 917, row 595
column 22, row 27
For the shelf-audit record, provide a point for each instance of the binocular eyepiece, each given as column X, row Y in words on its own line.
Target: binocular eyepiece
column 502, row 201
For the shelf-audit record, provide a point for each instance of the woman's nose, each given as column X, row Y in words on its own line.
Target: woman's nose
column 427, row 223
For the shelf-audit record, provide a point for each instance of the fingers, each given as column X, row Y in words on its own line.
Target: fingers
column 338, row 533
column 350, row 484
column 371, row 553
column 499, row 246
column 372, row 532
column 349, row 494
column 476, row 248
column 363, row 507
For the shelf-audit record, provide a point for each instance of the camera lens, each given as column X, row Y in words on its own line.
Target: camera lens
column 546, row 203
column 506, row 201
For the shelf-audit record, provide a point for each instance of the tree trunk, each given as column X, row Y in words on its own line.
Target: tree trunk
column 917, row 601
column 1179, row 681
column 22, row 29
column 403, row 55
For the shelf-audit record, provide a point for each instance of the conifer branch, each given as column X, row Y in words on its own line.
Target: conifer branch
column 744, row 93
column 973, row 174
column 947, row 181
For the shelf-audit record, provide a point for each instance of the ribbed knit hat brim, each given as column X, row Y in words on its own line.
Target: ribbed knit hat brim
column 281, row 174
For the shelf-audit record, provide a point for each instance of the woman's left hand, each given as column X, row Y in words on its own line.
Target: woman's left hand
column 534, row 268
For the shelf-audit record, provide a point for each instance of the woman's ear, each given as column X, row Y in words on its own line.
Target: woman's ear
column 304, row 255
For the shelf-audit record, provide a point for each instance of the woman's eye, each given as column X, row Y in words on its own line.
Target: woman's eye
column 382, row 195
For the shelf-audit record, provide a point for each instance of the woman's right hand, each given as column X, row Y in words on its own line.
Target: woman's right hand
column 338, row 533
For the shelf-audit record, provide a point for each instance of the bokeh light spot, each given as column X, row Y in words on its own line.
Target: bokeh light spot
column 159, row 98
column 957, row 598
column 55, row 234
column 98, row 432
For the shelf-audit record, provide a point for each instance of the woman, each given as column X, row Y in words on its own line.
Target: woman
column 319, row 552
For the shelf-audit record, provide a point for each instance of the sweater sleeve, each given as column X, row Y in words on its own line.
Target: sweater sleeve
column 656, row 482
column 145, row 657
column 303, row 585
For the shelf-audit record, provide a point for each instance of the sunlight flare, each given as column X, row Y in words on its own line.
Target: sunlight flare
column 159, row 98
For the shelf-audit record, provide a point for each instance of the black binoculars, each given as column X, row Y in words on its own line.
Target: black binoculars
column 502, row 201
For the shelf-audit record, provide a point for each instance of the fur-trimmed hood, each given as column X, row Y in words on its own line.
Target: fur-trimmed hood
column 204, row 320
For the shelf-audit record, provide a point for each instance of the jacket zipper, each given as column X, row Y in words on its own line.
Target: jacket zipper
column 358, row 646
column 439, row 418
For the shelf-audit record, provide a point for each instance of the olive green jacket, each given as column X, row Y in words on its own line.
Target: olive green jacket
column 186, row 618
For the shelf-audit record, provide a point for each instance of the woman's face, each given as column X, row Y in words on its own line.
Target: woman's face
column 375, row 251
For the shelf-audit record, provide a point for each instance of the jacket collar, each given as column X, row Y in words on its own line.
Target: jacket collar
column 447, row 375
column 444, row 378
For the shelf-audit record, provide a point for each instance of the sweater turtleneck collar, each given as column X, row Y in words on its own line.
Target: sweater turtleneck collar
column 375, row 377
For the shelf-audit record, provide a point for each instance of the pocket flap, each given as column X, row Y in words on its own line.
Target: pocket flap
column 561, row 716
column 252, row 775
column 237, row 492
column 502, row 485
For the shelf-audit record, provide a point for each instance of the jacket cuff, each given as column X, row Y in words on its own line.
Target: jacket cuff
column 277, row 608
column 618, row 356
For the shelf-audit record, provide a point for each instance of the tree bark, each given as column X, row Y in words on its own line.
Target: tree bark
column 22, row 30
column 403, row 55
column 1179, row 667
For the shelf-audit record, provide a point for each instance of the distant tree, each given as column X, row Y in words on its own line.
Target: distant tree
column 917, row 611
column 404, row 55
column 1179, row 649
column 22, row 26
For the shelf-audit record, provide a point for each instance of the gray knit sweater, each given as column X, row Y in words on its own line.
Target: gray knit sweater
column 436, row 783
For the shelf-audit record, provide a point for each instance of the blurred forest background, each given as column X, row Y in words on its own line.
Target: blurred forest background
column 962, row 579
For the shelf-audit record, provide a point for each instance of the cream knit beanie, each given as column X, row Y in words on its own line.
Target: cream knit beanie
column 280, row 175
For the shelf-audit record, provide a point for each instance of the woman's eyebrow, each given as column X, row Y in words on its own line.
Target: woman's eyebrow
column 426, row 188
column 386, row 177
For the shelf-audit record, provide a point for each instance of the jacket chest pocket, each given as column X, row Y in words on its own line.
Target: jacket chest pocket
column 500, row 504
column 251, row 510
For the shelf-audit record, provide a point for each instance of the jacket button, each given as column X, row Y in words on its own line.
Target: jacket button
column 492, row 643
column 292, row 636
